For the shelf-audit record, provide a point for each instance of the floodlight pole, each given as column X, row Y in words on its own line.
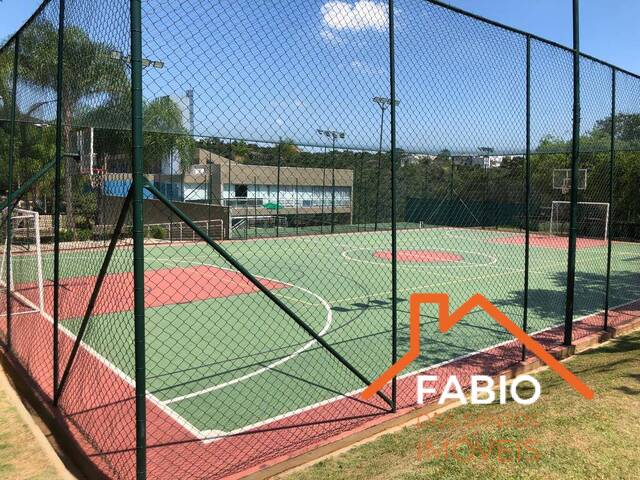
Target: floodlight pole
column 575, row 152
column 333, row 135
column 383, row 103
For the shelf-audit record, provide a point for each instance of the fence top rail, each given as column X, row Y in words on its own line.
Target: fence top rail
column 26, row 24
column 438, row 3
column 532, row 36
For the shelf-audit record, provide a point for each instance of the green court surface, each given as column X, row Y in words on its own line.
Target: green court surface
column 229, row 363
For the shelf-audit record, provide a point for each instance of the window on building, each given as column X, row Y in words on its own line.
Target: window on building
column 241, row 191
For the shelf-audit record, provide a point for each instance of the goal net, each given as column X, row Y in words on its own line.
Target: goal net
column 592, row 219
column 25, row 282
column 240, row 224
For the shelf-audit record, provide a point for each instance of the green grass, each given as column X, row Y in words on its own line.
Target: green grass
column 20, row 455
column 335, row 283
column 569, row 437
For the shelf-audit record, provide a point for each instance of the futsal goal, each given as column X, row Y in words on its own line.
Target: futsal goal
column 25, row 280
column 592, row 219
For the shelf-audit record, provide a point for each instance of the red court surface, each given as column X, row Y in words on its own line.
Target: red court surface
column 98, row 404
column 168, row 286
column 549, row 241
column 419, row 256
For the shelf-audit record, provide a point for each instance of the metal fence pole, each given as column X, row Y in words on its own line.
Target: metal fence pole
column 451, row 180
column 394, row 181
column 377, row 212
column 12, row 138
column 612, row 159
column 527, row 194
column 56, row 208
column 333, row 185
column 209, row 192
column 138, row 237
column 278, row 189
column 255, row 207
column 575, row 152
column 324, row 170
column 355, row 197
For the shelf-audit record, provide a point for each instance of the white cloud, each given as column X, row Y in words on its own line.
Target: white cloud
column 361, row 15
column 328, row 35
column 364, row 67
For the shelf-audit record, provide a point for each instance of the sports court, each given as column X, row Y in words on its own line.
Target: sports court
column 193, row 298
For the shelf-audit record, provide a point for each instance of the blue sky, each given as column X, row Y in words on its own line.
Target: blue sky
column 609, row 29
column 285, row 69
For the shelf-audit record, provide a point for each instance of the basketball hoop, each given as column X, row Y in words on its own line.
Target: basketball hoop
column 566, row 186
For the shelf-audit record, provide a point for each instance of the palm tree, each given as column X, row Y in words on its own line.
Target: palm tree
column 165, row 135
column 90, row 75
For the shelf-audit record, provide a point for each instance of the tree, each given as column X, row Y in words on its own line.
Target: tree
column 288, row 149
column 239, row 150
column 627, row 129
column 165, row 136
column 89, row 75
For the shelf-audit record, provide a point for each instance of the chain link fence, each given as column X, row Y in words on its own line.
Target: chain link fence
column 211, row 227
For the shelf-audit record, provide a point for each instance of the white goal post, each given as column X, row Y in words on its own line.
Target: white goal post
column 26, row 281
column 593, row 217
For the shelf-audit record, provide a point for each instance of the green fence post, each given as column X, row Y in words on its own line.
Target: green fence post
column 138, row 238
column 255, row 208
column 209, row 192
column 357, row 181
column 56, row 207
column 297, row 209
column 324, row 172
column 527, row 194
column 278, row 189
column 451, row 180
column 575, row 152
column 333, row 185
column 394, row 181
column 12, row 138
column 612, row 160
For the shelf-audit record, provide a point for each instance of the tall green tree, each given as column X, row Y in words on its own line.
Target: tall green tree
column 90, row 75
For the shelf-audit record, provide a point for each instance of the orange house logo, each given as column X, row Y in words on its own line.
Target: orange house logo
column 447, row 321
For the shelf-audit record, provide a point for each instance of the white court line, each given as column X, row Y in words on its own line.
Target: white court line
column 119, row 373
column 271, row 366
column 405, row 375
column 208, row 433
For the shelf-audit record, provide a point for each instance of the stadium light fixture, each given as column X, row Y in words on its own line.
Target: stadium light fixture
column 383, row 103
column 117, row 55
column 333, row 135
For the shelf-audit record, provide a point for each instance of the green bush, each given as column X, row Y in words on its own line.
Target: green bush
column 82, row 234
column 156, row 231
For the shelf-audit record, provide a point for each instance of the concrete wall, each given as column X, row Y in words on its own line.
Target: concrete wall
column 156, row 212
